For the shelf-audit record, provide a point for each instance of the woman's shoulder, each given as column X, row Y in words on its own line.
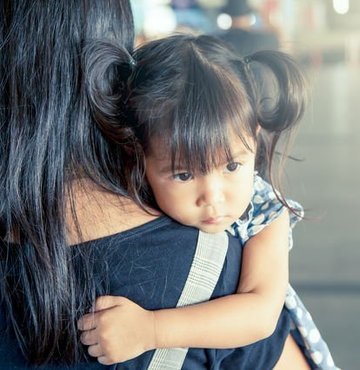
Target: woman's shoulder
column 151, row 230
column 93, row 213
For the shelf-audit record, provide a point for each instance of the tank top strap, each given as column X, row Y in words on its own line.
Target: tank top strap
column 211, row 250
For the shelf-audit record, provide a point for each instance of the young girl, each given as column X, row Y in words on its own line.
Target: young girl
column 191, row 95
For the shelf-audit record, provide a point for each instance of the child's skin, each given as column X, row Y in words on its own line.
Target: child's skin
column 120, row 330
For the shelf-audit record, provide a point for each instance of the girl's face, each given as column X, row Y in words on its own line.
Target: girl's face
column 210, row 202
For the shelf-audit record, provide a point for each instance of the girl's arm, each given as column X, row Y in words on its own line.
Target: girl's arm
column 239, row 319
column 121, row 330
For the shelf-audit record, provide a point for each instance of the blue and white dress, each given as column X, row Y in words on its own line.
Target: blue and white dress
column 265, row 208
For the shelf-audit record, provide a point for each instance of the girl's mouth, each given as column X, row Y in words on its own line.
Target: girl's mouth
column 213, row 220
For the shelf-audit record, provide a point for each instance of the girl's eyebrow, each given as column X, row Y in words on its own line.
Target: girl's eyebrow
column 165, row 165
column 242, row 153
column 168, row 168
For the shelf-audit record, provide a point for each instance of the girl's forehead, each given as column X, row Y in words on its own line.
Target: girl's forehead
column 160, row 148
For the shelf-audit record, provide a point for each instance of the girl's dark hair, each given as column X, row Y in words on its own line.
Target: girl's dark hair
column 192, row 91
column 63, row 65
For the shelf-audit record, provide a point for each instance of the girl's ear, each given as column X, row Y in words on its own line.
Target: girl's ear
column 258, row 128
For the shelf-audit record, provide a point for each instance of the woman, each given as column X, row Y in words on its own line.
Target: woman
column 72, row 224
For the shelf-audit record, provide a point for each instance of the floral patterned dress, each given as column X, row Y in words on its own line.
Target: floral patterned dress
column 265, row 208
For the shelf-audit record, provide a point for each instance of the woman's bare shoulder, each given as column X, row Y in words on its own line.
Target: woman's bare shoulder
column 98, row 213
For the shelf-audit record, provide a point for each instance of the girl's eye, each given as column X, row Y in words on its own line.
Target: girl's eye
column 233, row 166
column 183, row 176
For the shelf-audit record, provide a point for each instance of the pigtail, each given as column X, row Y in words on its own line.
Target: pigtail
column 282, row 99
column 281, row 96
column 107, row 68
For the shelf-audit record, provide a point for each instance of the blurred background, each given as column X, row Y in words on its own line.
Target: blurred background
column 324, row 36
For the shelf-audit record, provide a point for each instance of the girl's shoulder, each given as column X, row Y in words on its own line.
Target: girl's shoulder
column 264, row 208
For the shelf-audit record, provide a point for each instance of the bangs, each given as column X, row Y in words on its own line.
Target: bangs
column 196, row 129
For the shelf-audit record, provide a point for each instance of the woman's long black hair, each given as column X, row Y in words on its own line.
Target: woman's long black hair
column 63, row 64
column 192, row 92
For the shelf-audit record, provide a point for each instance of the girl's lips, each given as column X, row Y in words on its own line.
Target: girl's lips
column 213, row 220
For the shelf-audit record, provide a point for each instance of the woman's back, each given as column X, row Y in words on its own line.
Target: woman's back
column 145, row 263
column 150, row 265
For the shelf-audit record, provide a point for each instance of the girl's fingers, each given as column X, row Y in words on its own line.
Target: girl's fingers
column 95, row 350
column 89, row 338
column 105, row 360
column 87, row 322
column 109, row 301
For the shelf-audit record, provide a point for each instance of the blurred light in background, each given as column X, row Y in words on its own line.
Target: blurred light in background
column 224, row 21
column 159, row 20
column 315, row 31
column 153, row 18
column 341, row 6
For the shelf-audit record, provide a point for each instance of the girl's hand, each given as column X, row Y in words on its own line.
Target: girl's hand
column 118, row 330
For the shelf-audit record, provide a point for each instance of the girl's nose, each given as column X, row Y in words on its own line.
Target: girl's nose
column 211, row 192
